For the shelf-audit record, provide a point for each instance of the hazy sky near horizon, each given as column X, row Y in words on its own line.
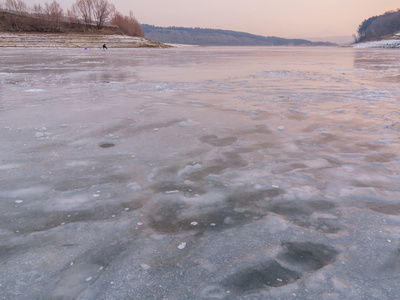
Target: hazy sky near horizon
column 283, row 18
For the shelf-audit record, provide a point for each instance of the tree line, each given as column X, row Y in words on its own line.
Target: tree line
column 88, row 14
column 377, row 27
column 219, row 37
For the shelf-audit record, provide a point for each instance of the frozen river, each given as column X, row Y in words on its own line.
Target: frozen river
column 200, row 173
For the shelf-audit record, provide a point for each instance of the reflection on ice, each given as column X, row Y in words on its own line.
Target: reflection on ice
column 199, row 173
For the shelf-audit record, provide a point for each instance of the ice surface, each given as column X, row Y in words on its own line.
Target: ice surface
column 199, row 173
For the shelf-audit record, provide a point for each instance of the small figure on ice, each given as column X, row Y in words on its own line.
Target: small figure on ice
column 104, row 46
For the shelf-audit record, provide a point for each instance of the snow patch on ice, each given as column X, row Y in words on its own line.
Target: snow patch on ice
column 185, row 123
column 301, row 193
column 182, row 246
column 189, row 169
column 25, row 192
column 6, row 167
column 34, row 90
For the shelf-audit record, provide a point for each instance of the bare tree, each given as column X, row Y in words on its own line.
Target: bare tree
column 53, row 11
column 73, row 15
column 85, row 10
column 102, row 11
column 18, row 6
column 38, row 10
column 128, row 25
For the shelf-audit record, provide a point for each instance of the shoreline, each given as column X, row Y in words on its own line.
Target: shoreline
column 75, row 40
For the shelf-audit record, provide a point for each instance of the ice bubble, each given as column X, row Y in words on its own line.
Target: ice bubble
column 156, row 129
column 194, row 224
column 19, row 201
column 139, row 223
column 96, row 195
column 182, row 246
column 281, row 128
column 89, row 278
column 145, row 267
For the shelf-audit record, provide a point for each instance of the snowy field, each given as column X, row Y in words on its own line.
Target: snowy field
column 200, row 173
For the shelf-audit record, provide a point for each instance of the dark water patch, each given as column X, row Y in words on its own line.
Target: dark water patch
column 290, row 208
column 371, row 146
column 173, row 215
column 290, row 167
column 262, row 115
column 395, row 125
column 261, row 276
column 296, row 116
column 218, row 142
column 300, row 214
column 132, row 205
column 255, row 147
column 260, row 129
column 8, row 251
column 132, row 127
column 326, row 138
column 298, row 207
column 307, row 256
column 85, row 182
column 298, row 166
column 169, row 220
column 106, row 145
column 324, row 225
column 246, row 198
column 313, row 127
column 381, row 157
column 389, row 209
column 321, row 205
column 217, row 166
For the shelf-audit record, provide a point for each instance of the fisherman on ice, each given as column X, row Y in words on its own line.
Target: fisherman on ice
column 104, row 46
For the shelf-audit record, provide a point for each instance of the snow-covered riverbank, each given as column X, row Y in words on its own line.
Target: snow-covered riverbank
column 393, row 42
column 49, row 40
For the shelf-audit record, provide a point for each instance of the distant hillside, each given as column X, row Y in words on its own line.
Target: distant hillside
column 217, row 37
column 378, row 27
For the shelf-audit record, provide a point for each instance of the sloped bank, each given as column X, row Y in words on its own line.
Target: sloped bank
column 50, row 40
column 387, row 42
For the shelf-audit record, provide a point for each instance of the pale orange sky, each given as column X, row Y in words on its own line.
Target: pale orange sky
column 283, row 18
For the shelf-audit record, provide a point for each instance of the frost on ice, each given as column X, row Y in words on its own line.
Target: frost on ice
column 199, row 173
